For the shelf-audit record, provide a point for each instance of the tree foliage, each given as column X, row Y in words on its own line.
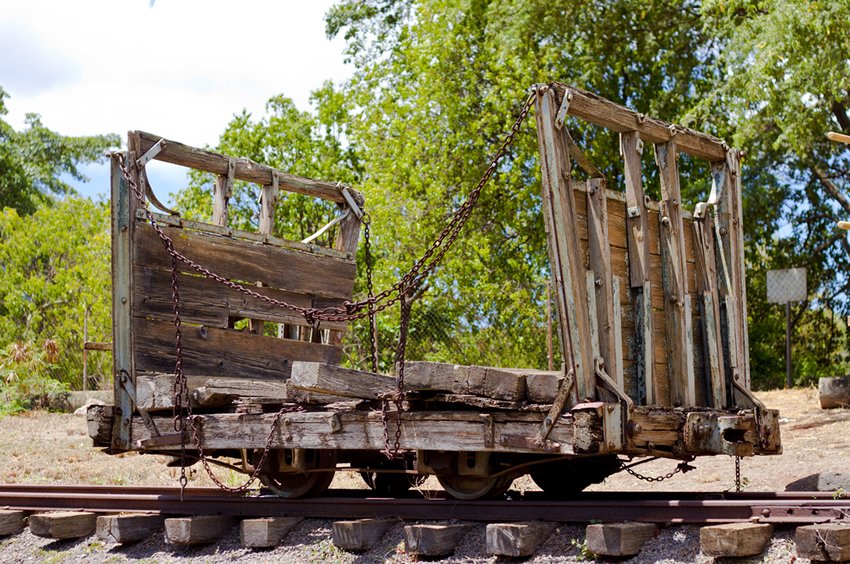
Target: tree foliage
column 33, row 161
column 55, row 266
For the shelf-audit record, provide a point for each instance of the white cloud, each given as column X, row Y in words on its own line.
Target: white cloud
column 179, row 68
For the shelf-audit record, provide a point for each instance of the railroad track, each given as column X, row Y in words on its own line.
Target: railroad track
column 672, row 507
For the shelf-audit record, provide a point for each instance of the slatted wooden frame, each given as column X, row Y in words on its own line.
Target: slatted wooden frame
column 675, row 279
column 295, row 272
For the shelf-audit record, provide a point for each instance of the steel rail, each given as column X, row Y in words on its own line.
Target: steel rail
column 671, row 507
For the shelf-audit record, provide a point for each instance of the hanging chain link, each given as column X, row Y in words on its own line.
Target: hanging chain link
column 370, row 291
column 682, row 467
column 370, row 307
column 737, row 473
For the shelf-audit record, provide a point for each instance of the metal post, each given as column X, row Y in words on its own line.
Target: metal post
column 85, row 352
column 788, row 382
column 549, row 351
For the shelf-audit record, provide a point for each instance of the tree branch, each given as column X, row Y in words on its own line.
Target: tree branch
column 840, row 113
column 830, row 187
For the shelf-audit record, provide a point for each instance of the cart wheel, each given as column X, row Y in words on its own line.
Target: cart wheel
column 565, row 478
column 292, row 485
column 475, row 487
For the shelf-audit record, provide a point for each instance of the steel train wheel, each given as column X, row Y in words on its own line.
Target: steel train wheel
column 292, row 485
column 474, row 487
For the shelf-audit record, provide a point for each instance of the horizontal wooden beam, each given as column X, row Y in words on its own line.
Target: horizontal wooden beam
column 247, row 170
column 611, row 115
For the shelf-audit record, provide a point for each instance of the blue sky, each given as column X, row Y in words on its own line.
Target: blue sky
column 176, row 68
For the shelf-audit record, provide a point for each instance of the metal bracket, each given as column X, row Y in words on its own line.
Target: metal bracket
column 127, row 383
column 151, row 154
column 350, row 200
column 557, row 407
column 633, row 212
column 563, row 110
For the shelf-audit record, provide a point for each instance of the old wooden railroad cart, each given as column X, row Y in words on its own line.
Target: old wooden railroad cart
column 651, row 315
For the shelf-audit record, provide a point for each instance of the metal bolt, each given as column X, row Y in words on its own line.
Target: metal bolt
column 124, row 300
column 665, row 221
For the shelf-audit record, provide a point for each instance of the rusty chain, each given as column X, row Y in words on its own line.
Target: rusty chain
column 737, row 473
column 350, row 311
column 682, row 467
column 370, row 292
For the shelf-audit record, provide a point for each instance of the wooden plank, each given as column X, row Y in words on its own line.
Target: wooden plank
column 200, row 529
column 434, row 540
column 618, row 539
column 600, row 265
column 123, row 204
column 238, row 234
column 617, row 370
column 516, row 539
column 732, row 281
column 674, row 269
column 212, row 352
column 206, row 302
column 542, row 387
column 265, row 532
column 604, row 113
column 639, row 246
column 421, row 430
column 222, row 192
column 706, row 270
column 245, row 169
column 559, row 212
column 423, row 375
column 361, row 534
column 127, row 528
column 339, row 381
column 276, row 267
column 11, row 522
column 99, row 420
column 829, row 542
column 63, row 524
column 489, row 382
column 734, row 540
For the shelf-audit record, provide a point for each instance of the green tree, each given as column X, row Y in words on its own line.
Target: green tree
column 33, row 161
column 55, row 266
column 784, row 83
column 437, row 85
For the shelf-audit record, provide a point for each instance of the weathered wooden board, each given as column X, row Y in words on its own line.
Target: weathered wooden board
column 200, row 529
column 336, row 380
column 266, row 532
column 128, row 528
column 431, row 430
column 829, row 542
column 63, row 524
column 516, row 539
column 434, row 540
column 604, row 113
column 184, row 155
column 275, row 267
column 618, row 539
column 734, row 540
column 212, row 352
column 360, row 534
column 206, row 302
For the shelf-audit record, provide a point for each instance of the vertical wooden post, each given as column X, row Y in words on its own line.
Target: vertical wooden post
column 639, row 269
column 222, row 191
column 123, row 207
column 600, row 265
column 731, row 279
column 714, row 362
column 346, row 241
column 559, row 213
column 674, row 276
column 85, row 351
column 268, row 203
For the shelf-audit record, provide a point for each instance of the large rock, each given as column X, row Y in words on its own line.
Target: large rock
column 821, row 482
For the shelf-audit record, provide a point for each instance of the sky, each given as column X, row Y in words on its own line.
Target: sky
column 176, row 68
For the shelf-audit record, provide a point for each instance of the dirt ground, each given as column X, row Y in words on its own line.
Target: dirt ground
column 41, row 447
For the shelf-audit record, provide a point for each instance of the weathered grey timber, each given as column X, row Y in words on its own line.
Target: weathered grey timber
column 128, row 528
column 360, row 534
column 516, row 539
column 734, row 540
column 266, row 532
column 828, row 542
column 200, row 529
column 433, row 540
column 11, row 522
column 63, row 524
column 618, row 539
